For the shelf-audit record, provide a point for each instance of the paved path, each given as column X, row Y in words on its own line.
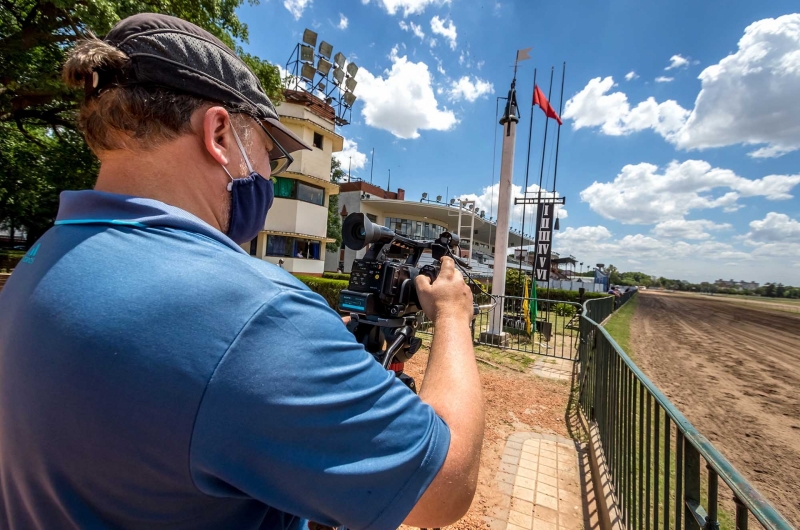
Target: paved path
column 554, row 368
column 544, row 484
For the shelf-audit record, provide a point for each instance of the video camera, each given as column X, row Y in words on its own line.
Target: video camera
column 381, row 296
column 382, row 282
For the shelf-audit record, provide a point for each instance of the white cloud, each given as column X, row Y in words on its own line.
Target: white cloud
column 774, row 228
column 596, row 244
column 488, row 200
column 342, row 22
column 469, row 89
column 664, row 79
column 593, row 106
column 639, row 194
column 350, row 157
column 676, row 61
column 446, row 29
column 409, row 7
column 416, row 29
column 750, row 97
column 683, row 229
column 296, row 7
column 402, row 100
column 631, row 75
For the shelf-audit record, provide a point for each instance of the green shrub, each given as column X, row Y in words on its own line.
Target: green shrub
column 336, row 276
column 328, row 288
column 9, row 259
column 564, row 310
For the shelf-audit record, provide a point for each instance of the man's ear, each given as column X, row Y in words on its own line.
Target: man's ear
column 217, row 134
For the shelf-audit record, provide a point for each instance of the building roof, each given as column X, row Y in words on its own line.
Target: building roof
column 371, row 189
column 445, row 215
column 311, row 102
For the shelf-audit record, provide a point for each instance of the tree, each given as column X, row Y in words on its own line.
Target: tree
column 780, row 291
column 334, row 219
column 769, row 290
column 613, row 275
column 37, row 111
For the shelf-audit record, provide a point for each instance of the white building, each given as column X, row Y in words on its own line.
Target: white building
column 297, row 224
column 420, row 220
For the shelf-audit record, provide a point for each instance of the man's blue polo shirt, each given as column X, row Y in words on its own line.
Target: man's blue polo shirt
column 153, row 375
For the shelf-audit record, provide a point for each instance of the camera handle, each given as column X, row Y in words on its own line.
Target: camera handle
column 399, row 333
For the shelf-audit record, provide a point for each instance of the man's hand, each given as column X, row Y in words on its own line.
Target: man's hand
column 447, row 297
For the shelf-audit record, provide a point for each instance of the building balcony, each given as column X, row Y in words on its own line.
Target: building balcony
column 297, row 216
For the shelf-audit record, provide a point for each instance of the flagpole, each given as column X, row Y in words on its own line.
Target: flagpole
column 558, row 134
column 527, row 170
column 544, row 143
column 541, row 169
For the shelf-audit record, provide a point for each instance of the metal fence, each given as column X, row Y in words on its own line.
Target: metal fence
column 554, row 326
column 654, row 456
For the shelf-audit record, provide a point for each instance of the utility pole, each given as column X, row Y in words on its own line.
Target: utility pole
column 372, row 165
column 389, row 184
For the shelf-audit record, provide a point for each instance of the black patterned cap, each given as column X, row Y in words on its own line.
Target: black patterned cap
column 175, row 54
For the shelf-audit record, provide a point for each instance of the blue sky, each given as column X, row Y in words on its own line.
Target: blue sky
column 674, row 185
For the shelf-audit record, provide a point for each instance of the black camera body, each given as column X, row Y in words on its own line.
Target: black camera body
column 382, row 282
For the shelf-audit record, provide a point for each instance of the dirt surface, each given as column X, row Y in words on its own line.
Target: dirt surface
column 514, row 402
column 734, row 371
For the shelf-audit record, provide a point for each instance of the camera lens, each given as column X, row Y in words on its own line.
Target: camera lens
column 362, row 233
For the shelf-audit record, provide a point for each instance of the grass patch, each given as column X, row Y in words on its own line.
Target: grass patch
column 619, row 325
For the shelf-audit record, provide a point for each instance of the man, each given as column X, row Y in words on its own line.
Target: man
column 153, row 375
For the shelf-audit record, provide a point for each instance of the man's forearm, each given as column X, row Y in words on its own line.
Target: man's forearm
column 452, row 387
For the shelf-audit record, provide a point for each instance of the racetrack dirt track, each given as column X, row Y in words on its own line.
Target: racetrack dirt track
column 734, row 371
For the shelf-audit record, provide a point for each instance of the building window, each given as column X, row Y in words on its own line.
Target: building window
column 309, row 193
column 373, row 218
column 415, row 229
column 286, row 188
column 293, row 247
column 318, row 140
column 254, row 246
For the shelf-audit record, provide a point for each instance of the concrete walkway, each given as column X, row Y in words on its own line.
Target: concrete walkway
column 554, row 368
column 544, row 483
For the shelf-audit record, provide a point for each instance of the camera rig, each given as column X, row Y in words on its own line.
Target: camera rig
column 381, row 297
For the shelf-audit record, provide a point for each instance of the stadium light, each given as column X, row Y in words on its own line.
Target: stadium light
column 339, row 59
column 349, row 99
column 310, row 38
column 350, row 84
column 307, row 72
column 325, row 49
column 323, row 66
column 321, row 87
column 424, row 195
column 438, row 198
column 306, row 53
column 453, row 200
column 338, row 76
column 352, row 69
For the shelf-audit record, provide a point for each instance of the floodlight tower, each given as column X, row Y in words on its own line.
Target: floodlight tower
column 332, row 79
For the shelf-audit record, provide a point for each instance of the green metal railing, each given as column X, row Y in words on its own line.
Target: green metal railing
column 654, row 456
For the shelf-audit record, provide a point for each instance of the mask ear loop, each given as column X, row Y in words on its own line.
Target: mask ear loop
column 244, row 155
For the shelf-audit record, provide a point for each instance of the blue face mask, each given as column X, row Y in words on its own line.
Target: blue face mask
column 251, row 198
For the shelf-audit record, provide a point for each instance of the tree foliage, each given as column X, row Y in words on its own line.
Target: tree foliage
column 334, row 218
column 37, row 111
